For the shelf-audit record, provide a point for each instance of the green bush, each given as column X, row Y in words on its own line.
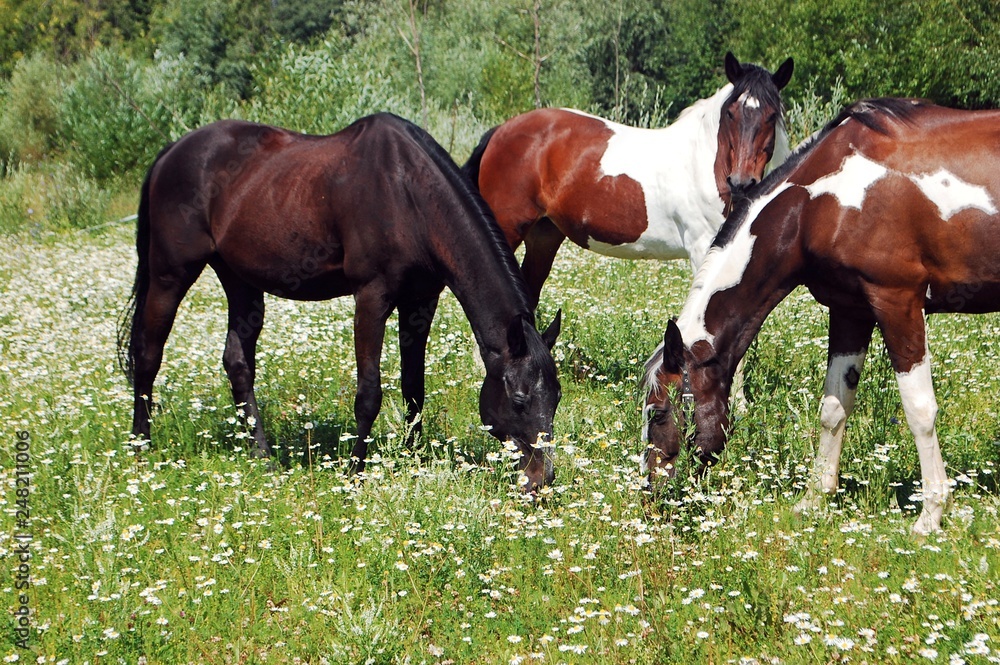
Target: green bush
column 73, row 201
column 506, row 87
column 50, row 198
column 321, row 89
column 219, row 38
column 810, row 111
column 29, row 112
column 927, row 49
column 18, row 198
column 112, row 123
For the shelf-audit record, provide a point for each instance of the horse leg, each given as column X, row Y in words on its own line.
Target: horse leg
column 371, row 310
column 905, row 337
column 153, row 324
column 246, row 318
column 540, row 246
column 414, row 327
column 849, row 340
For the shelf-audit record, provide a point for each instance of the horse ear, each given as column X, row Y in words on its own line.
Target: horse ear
column 784, row 74
column 517, row 343
column 673, row 349
column 550, row 334
column 734, row 70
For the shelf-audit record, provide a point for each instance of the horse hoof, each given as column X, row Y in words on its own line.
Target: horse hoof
column 808, row 504
column 926, row 525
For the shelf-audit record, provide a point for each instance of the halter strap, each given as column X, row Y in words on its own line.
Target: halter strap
column 687, row 396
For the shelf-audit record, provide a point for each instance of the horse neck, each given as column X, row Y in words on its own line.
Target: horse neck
column 745, row 279
column 694, row 143
column 486, row 283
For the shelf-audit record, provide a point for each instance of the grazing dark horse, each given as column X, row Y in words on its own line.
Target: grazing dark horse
column 887, row 213
column 552, row 174
column 378, row 211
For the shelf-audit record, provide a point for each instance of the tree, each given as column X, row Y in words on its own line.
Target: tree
column 944, row 50
column 304, row 20
column 68, row 29
column 219, row 38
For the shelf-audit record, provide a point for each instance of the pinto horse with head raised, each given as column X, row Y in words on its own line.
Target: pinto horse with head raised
column 888, row 213
column 378, row 211
column 552, row 174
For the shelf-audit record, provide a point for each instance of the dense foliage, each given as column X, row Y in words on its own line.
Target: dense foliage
column 103, row 85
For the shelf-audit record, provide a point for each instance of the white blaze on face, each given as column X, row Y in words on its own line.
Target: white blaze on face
column 851, row 182
column 723, row 269
column 951, row 194
column 749, row 100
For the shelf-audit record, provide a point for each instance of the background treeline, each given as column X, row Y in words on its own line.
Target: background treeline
column 90, row 90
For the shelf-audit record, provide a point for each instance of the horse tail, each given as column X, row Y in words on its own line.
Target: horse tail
column 130, row 320
column 471, row 167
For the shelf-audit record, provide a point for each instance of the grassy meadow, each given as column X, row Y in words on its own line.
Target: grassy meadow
column 195, row 553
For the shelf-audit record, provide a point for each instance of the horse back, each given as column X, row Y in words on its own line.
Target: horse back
column 337, row 210
column 905, row 192
column 544, row 163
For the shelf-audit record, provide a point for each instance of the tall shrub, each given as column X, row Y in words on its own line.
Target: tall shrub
column 29, row 111
column 322, row 88
column 111, row 123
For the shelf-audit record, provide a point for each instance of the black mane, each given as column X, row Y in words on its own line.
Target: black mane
column 872, row 113
column 759, row 83
column 463, row 186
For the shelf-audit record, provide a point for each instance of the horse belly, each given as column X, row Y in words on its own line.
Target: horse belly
column 289, row 264
column 974, row 297
column 661, row 241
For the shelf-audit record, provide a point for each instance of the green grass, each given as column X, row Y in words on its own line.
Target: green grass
column 195, row 553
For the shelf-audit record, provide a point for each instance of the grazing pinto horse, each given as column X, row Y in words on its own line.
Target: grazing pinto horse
column 633, row 193
column 889, row 212
column 378, row 211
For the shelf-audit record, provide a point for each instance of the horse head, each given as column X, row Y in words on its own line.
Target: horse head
column 519, row 397
column 749, row 125
column 686, row 400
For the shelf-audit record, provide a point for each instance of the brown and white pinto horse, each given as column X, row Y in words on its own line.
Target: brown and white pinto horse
column 378, row 211
column 552, row 174
column 889, row 212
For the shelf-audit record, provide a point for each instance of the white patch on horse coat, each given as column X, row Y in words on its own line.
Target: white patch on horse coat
column 723, row 268
column 950, row 193
column 850, row 182
column 838, row 402
column 916, row 390
column 675, row 167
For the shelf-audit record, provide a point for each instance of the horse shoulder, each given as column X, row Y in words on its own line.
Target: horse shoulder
column 678, row 189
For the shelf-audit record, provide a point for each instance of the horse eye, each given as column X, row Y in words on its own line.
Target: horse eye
column 729, row 114
column 520, row 401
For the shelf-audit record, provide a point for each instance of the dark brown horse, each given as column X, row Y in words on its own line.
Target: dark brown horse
column 634, row 193
column 378, row 211
column 887, row 213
